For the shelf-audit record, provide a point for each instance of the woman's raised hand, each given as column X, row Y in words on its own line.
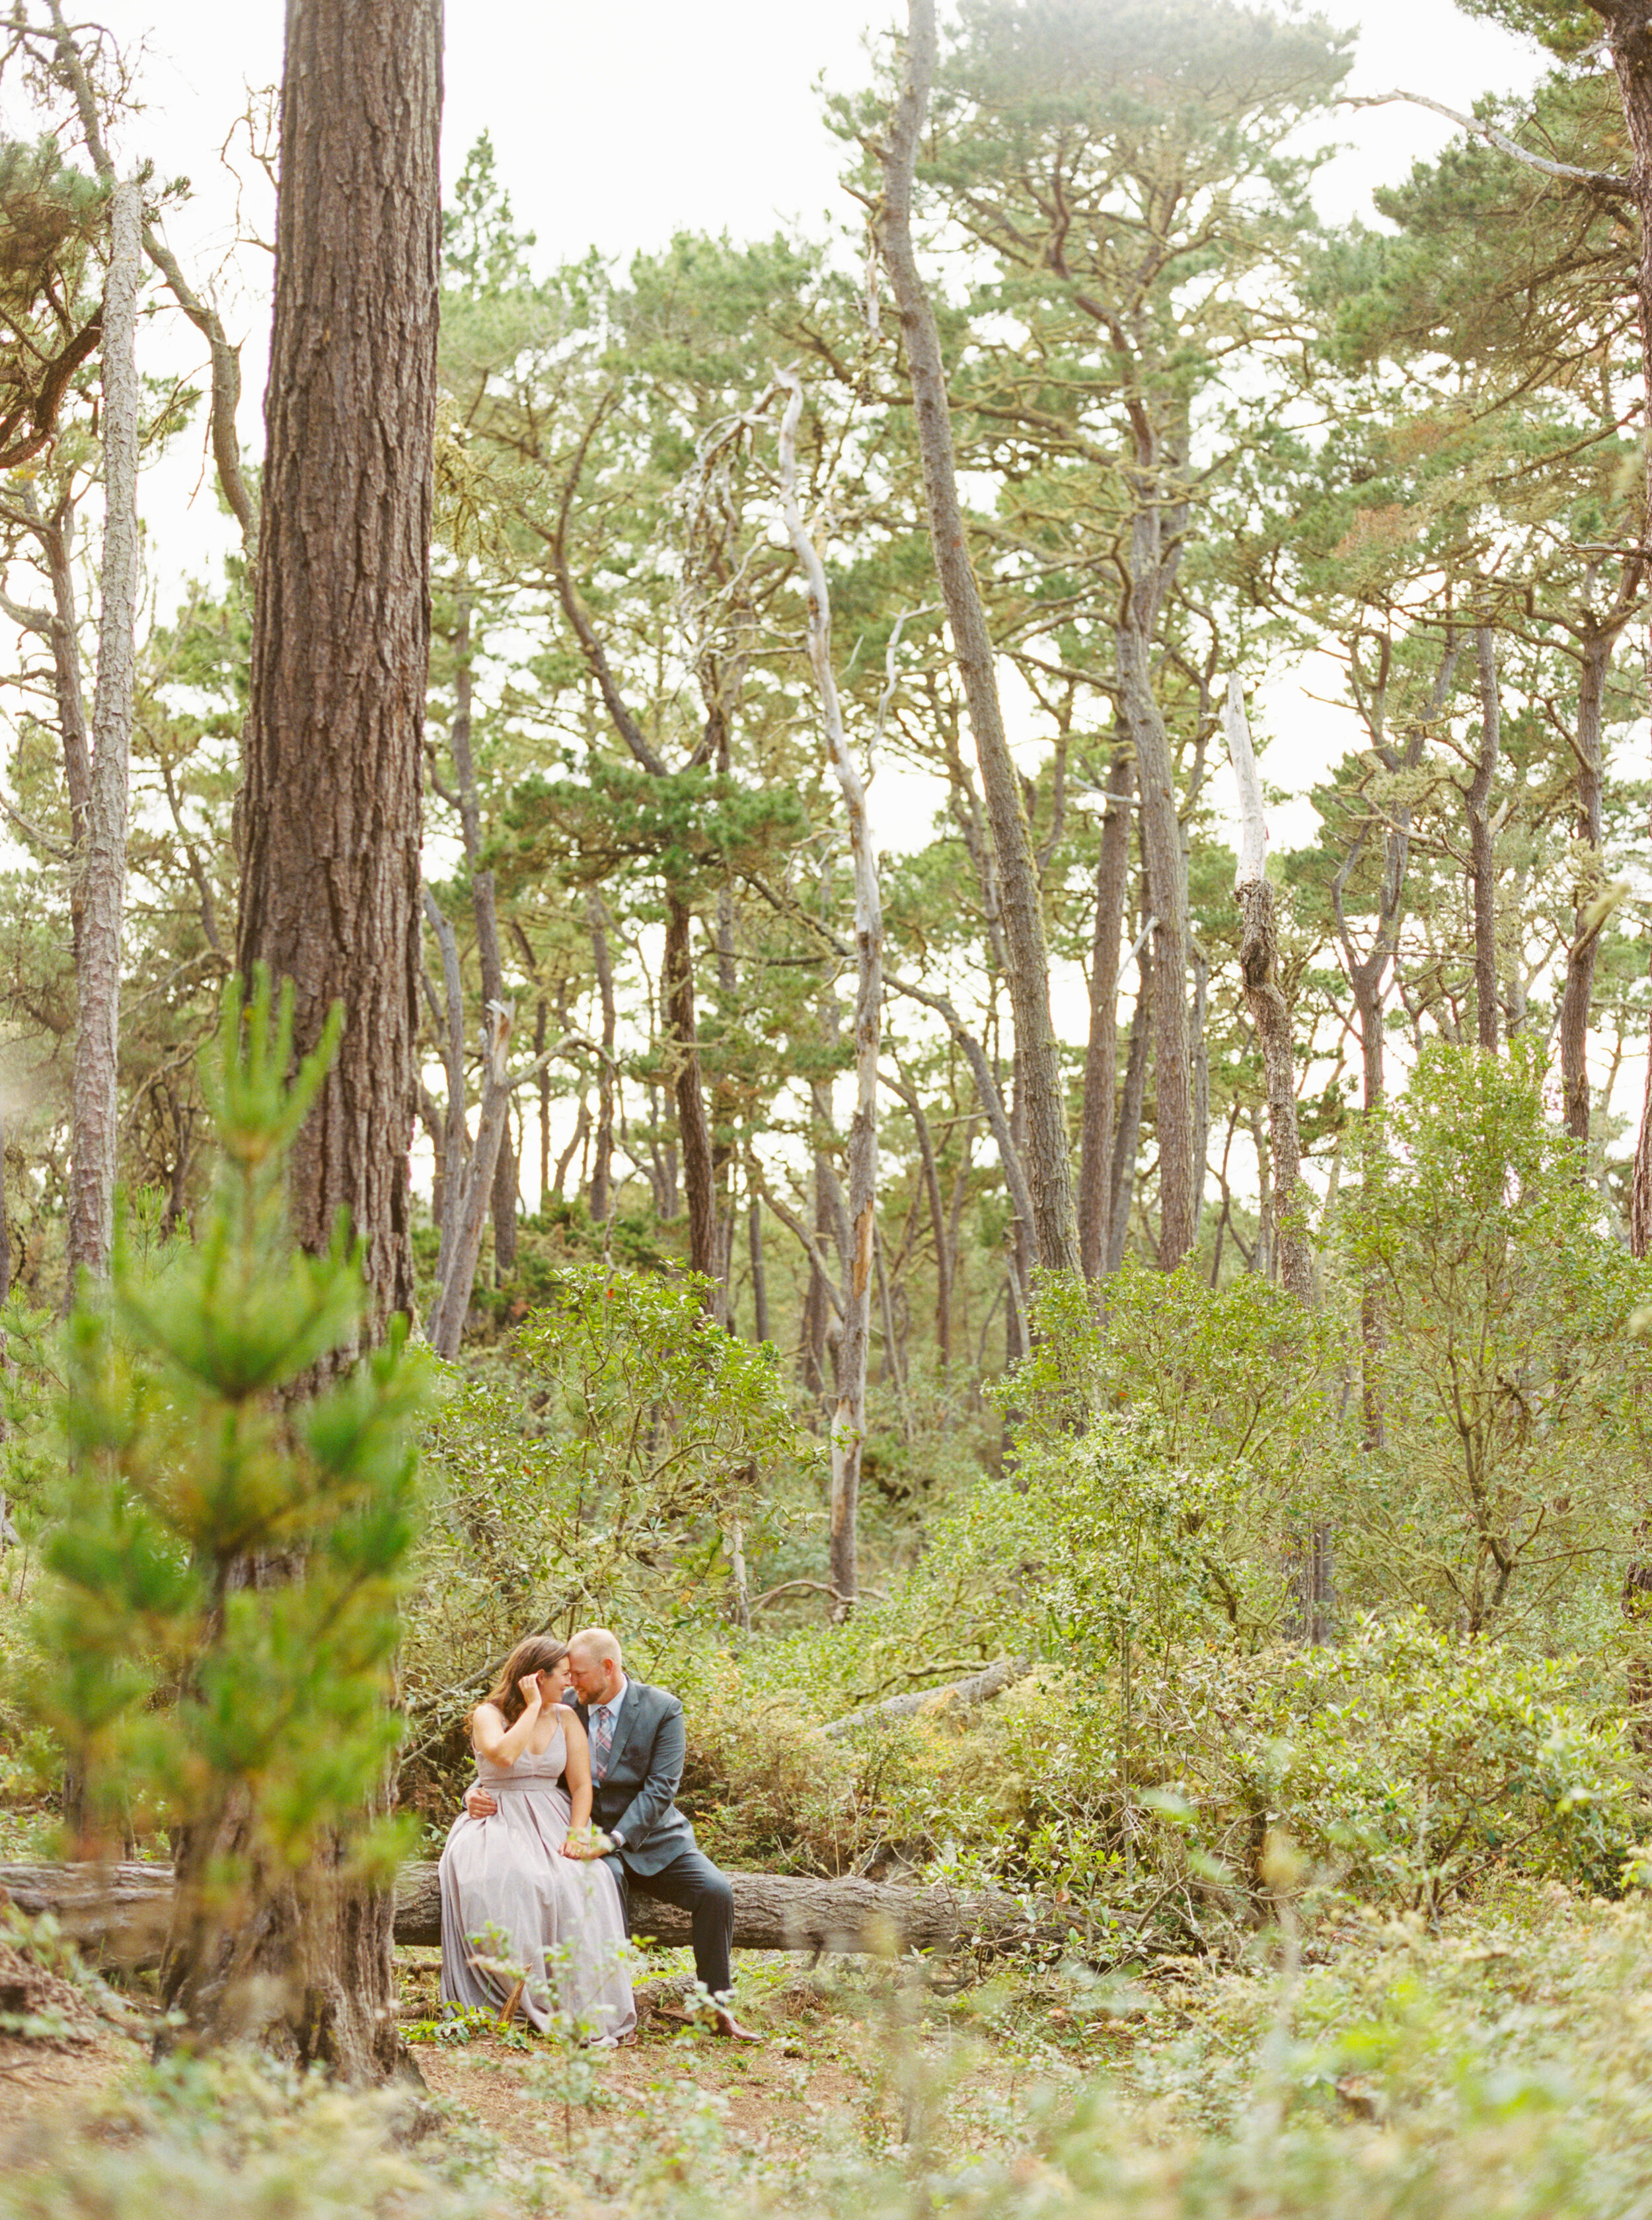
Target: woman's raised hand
column 529, row 1685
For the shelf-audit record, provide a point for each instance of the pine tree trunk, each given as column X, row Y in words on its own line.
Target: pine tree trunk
column 56, row 535
column 759, row 1274
column 602, row 1203
column 1121, row 1186
column 937, row 1220
column 1579, row 993
column 1165, row 871
column 694, row 1134
column 101, row 862
column 483, row 907
column 473, row 1191
column 1482, row 864
column 331, row 807
column 849, row 1418
column 1102, row 1052
column 1629, row 37
column 1269, row 1013
column 1048, row 1170
column 330, row 811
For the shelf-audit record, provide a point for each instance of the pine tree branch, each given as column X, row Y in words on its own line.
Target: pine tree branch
column 1602, row 181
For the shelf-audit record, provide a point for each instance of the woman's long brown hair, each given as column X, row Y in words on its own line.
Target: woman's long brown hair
column 535, row 1653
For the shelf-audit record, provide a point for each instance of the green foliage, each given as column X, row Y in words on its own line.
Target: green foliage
column 230, row 1553
column 1514, row 1450
column 600, row 1473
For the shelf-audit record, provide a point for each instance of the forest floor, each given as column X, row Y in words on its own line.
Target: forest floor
column 1402, row 2044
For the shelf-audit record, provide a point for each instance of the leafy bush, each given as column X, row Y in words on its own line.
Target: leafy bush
column 1410, row 1768
column 1511, row 1477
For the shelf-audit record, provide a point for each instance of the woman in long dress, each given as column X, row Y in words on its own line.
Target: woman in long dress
column 525, row 1892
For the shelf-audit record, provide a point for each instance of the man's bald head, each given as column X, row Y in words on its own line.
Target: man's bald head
column 596, row 1645
column 594, row 1664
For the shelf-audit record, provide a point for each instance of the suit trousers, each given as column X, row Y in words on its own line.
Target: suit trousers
column 694, row 1884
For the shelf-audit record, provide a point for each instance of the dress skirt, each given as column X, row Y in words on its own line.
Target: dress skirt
column 512, row 1905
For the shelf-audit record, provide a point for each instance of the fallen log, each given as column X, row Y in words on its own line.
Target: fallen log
column 124, row 1910
column 980, row 1689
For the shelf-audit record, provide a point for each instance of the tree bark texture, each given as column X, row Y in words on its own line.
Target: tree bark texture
column 101, row 862
column 123, row 1910
column 1049, row 1175
column 1269, row 1013
column 1588, row 909
column 331, row 807
column 330, row 811
column 849, row 1417
column 1483, row 861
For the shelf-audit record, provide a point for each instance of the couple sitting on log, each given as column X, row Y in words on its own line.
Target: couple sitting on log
column 577, row 1770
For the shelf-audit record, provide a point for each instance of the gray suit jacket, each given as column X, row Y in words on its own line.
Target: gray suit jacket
column 645, row 1765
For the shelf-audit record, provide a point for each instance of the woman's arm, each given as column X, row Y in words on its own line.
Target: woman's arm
column 499, row 1742
column 578, row 1771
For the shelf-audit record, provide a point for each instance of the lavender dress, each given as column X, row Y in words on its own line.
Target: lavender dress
column 562, row 1918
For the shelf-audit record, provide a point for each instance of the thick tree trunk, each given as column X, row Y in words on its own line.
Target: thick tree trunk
column 1048, row 1170
column 1579, row 993
column 331, row 807
column 849, row 1418
column 1101, row 1051
column 330, row 811
column 694, row 1133
column 1482, row 864
column 101, row 862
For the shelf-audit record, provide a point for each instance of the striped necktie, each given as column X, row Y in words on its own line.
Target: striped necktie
column 601, row 1742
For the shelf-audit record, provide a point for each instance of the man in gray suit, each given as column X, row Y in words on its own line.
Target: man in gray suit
column 637, row 1747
